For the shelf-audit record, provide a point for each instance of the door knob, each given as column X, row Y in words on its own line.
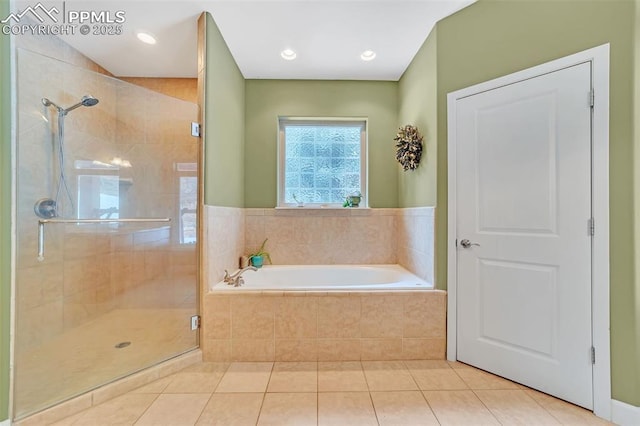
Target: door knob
column 466, row 243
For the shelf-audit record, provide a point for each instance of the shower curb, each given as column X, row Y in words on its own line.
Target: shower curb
column 111, row 390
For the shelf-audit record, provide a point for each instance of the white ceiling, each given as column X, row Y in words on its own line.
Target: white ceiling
column 328, row 36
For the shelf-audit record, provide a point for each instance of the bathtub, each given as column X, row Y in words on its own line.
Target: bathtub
column 324, row 313
column 327, row 278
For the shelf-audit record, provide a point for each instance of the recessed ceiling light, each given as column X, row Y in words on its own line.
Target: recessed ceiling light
column 288, row 54
column 368, row 55
column 146, row 37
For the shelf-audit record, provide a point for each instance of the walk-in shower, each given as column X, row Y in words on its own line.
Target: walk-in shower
column 113, row 293
column 48, row 208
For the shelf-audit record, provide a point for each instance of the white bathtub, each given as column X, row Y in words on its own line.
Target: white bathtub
column 327, row 278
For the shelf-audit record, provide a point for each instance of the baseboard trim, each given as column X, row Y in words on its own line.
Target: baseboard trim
column 5, row 423
column 624, row 414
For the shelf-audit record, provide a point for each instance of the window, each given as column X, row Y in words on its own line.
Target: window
column 99, row 186
column 188, row 202
column 321, row 161
column 98, row 196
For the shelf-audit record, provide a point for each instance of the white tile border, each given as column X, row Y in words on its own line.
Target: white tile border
column 624, row 414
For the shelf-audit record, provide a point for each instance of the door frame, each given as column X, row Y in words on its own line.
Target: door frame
column 599, row 59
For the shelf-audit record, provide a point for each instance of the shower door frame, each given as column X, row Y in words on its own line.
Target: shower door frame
column 199, row 274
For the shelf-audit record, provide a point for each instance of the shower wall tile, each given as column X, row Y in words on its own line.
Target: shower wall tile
column 54, row 47
column 181, row 88
column 40, row 325
column 39, row 285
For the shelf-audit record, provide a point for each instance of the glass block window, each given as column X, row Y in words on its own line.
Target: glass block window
column 321, row 161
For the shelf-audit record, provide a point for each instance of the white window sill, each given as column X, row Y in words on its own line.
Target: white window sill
column 321, row 208
column 323, row 211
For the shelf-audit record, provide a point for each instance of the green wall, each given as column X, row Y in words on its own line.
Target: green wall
column 5, row 215
column 490, row 39
column 418, row 105
column 268, row 99
column 636, row 168
column 224, row 118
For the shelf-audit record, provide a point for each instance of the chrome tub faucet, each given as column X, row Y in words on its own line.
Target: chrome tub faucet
column 236, row 279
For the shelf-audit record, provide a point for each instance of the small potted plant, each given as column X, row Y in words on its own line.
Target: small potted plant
column 300, row 203
column 257, row 258
column 353, row 200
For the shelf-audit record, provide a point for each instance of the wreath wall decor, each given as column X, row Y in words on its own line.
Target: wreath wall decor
column 408, row 147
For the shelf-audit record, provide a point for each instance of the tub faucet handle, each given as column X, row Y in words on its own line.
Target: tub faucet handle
column 236, row 278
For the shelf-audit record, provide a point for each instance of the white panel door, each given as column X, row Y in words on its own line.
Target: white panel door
column 523, row 203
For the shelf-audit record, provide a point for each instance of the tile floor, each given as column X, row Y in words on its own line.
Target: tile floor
column 333, row 393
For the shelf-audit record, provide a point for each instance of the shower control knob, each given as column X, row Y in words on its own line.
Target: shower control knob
column 466, row 243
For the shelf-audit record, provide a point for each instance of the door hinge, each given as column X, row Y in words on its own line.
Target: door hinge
column 592, row 98
column 593, row 355
column 591, row 227
column 195, row 129
column 195, row 322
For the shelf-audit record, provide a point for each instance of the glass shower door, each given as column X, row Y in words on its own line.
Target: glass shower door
column 109, row 285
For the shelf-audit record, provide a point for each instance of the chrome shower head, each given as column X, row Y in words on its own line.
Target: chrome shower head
column 87, row 100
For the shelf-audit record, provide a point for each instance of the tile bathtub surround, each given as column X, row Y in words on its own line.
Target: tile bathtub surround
column 346, row 236
column 329, row 393
column 324, row 236
column 415, row 233
column 331, row 327
column 224, row 241
column 223, row 245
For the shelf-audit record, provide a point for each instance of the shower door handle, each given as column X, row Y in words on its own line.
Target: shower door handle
column 466, row 243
